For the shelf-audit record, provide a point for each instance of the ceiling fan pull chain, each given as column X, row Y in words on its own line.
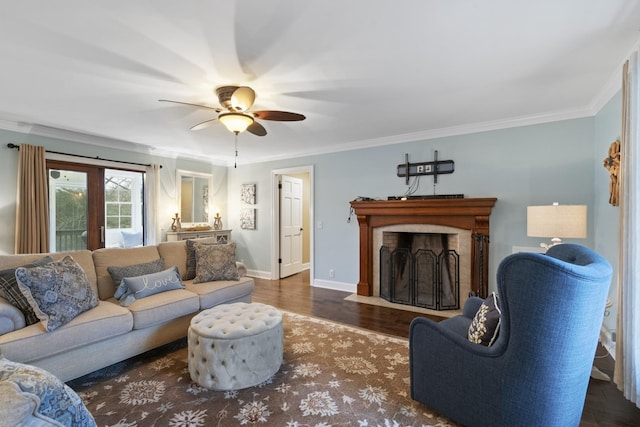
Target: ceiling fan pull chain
column 235, row 161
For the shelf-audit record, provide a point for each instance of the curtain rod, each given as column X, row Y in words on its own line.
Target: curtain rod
column 12, row 145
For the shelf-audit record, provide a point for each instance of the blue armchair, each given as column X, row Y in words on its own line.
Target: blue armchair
column 537, row 371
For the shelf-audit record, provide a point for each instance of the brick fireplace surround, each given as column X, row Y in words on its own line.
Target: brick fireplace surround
column 460, row 213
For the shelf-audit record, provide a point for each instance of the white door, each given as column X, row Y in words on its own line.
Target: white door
column 290, row 225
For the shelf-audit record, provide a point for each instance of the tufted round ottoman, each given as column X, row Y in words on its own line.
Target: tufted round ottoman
column 234, row 346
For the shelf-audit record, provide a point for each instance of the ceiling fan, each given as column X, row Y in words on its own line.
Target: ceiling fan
column 234, row 114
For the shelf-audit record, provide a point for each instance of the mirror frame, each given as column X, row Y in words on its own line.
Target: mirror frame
column 180, row 173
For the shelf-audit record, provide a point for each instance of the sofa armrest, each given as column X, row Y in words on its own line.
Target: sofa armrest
column 11, row 318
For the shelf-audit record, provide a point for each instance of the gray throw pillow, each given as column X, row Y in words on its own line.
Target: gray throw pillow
column 191, row 254
column 215, row 262
column 134, row 288
column 11, row 292
column 118, row 273
column 57, row 292
column 485, row 325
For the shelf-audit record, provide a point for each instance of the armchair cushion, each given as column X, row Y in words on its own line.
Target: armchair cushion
column 485, row 325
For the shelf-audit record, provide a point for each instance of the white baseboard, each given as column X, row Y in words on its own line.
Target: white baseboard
column 337, row 286
column 259, row 274
column 606, row 339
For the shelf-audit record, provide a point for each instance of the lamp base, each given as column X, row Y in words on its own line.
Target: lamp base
column 554, row 241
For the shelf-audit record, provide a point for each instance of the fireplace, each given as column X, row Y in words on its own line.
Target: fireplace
column 466, row 219
column 420, row 269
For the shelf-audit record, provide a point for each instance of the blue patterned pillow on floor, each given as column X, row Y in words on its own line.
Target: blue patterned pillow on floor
column 57, row 292
column 57, row 402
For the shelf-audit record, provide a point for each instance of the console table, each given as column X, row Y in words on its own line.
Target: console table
column 221, row 236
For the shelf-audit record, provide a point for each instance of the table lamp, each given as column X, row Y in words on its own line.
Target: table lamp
column 557, row 221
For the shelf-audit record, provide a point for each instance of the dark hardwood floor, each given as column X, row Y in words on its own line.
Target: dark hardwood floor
column 604, row 405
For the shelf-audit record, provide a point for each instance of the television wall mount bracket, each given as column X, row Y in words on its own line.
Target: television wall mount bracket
column 435, row 168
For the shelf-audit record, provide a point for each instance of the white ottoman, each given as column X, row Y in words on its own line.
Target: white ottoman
column 234, row 346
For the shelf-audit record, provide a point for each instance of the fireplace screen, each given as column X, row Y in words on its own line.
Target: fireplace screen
column 422, row 277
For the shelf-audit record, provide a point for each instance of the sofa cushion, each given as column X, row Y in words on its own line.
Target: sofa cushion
column 11, row 291
column 133, row 288
column 32, row 343
column 175, row 253
column 57, row 291
column 162, row 307
column 222, row 291
column 108, row 257
column 215, row 262
column 57, row 403
column 191, row 254
column 485, row 325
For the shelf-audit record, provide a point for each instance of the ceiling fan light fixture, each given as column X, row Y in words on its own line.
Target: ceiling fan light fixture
column 236, row 122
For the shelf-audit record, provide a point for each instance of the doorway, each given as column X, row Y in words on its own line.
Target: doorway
column 292, row 221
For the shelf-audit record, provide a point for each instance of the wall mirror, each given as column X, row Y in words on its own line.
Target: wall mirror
column 194, row 197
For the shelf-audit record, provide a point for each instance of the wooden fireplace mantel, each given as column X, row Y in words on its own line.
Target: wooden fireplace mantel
column 468, row 214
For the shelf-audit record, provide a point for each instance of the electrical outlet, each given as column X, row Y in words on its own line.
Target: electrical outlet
column 427, row 168
column 420, row 169
column 332, row 273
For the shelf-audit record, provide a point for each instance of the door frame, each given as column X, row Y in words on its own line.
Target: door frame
column 275, row 218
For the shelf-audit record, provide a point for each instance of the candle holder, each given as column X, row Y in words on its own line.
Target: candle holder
column 217, row 222
column 175, row 225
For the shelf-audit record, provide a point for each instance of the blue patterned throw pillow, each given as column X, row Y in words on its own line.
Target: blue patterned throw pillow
column 134, row 288
column 55, row 400
column 57, row 292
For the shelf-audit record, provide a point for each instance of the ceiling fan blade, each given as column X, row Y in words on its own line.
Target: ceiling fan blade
column 243, row 98
column 257, row 129
column 204, row 124
column 192, row 105
column 281, row 116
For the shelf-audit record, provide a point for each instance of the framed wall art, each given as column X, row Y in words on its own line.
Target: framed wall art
column 248, row 219
column 248, row 193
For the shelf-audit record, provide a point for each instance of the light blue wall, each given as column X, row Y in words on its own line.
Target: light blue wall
column 168, row 202
column 522, row 166
column 541, row 164
column 608, row 123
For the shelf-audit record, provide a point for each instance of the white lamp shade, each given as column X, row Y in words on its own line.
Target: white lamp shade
column 563, row 221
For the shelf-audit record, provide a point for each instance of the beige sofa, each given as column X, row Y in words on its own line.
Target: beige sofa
column 110, row 333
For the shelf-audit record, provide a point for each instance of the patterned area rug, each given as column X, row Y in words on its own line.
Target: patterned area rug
column 332, row 375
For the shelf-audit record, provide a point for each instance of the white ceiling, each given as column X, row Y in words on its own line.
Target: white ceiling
column 364, row 72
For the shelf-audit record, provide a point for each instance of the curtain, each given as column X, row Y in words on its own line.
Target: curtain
column 627, row 365
column 32, row 207
column 151, row 193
